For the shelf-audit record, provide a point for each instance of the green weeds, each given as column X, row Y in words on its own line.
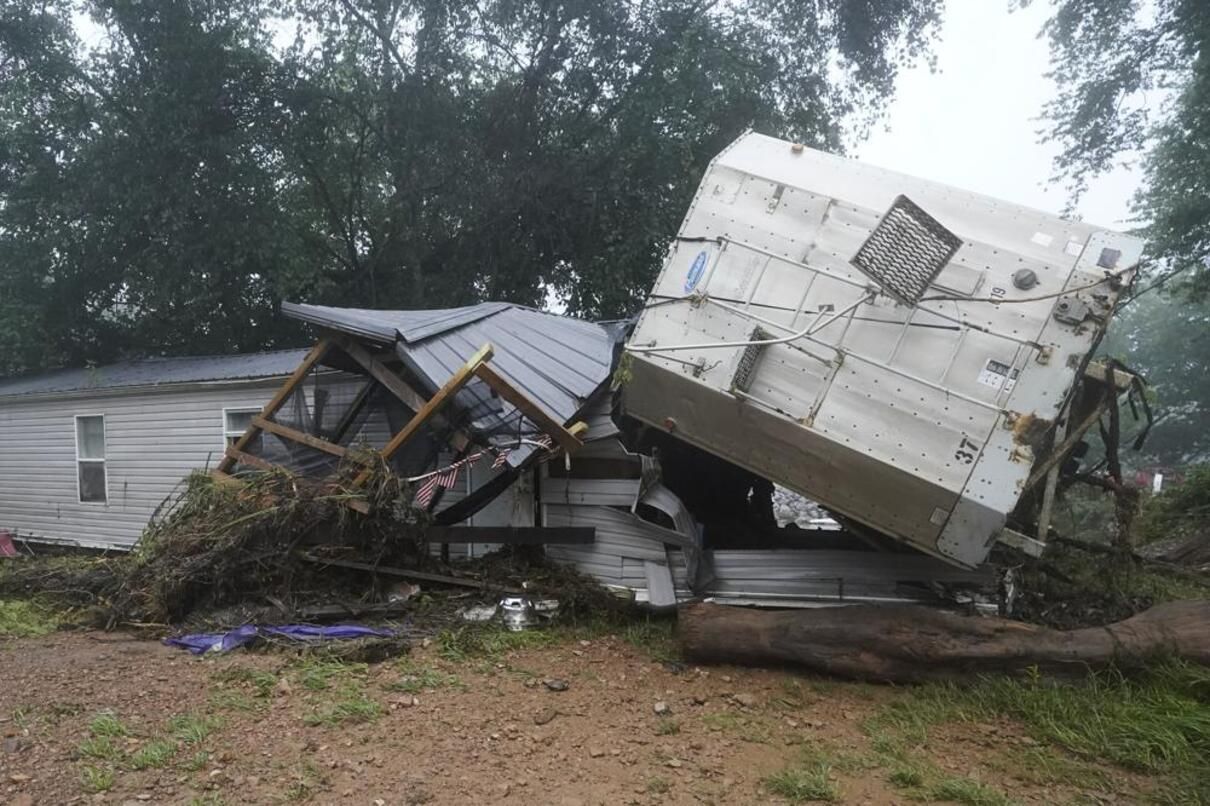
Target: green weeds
column 25, row 619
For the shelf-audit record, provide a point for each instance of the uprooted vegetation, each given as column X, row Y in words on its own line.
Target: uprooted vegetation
column 222, row 553
column 1084, row 579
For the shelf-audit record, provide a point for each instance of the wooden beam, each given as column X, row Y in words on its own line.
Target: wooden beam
column 567, row 441
column 395, row 385
column 248, row 459
column 300, row 373
column 1060, row 451
column 294, row 435
column 408, row 573
column 513, row 535
column 432, row 406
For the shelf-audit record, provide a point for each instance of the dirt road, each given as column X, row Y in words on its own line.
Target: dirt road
column 93, row 717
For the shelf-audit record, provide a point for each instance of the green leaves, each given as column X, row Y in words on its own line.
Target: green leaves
column 165, row 187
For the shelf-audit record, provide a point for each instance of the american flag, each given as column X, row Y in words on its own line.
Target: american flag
column 443, row 479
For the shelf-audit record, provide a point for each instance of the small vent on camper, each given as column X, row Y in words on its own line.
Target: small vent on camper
column 906, row 251
column 745, row 369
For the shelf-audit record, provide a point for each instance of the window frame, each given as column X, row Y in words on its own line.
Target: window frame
column 103, row 461
column 255, row 411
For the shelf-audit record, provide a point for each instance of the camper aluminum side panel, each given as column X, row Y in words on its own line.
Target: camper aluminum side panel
column 918, row 420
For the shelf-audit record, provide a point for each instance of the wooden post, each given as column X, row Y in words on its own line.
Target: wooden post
column 432, row 406
column 301, row 437
column 300, row 373
column 567, row 440
column 396, row 385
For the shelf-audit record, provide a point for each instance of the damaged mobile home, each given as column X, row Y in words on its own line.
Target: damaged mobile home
column 913, row 357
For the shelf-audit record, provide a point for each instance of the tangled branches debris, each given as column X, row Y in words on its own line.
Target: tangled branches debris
column 219, row 541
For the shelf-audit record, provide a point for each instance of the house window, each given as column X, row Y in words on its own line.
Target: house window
column 235, row 423
column 90, row 459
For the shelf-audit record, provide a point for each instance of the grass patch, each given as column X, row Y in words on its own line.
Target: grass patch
column 667, row 727
column 197, row 761
column 968, row 792
column 658, row 786
column 263, row 682
column 99, row 747
column 232, row 700
column 354, row 706
column 24, row 619
column 415, row 679
column 306, row 783
column 740, row 727
column 1157, row 723
column 96, row 779
column 803, row 783
column 655, row 638
column 193, row 728
column 106, row 723
column 154, row 754
column 317, row 675
column 474, row 641
column 1043, row 766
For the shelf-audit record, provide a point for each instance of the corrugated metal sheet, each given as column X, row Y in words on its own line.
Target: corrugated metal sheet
column 556, row 361
column 833, row 575
column 153, row 372
column 387, row 326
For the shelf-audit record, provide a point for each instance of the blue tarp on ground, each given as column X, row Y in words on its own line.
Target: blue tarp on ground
column 197, row 643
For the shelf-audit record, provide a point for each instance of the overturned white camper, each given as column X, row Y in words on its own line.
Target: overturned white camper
column 898, row 350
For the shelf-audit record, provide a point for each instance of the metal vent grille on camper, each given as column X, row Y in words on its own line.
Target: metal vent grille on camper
column 906, row 251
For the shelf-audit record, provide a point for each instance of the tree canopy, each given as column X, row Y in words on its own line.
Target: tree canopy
column 1134, row 84
column 1133, row 81
column 170, row 170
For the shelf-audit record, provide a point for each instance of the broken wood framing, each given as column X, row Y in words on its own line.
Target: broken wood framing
column 567, row 440
column 408, row 573
column 394, row 384
column 434, row 404
column 303, row 438
column 300, row 373
column 426, row 411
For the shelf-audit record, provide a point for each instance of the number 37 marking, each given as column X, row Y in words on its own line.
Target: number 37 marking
column 967, row 451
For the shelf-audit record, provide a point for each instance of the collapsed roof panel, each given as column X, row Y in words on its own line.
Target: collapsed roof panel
column 556, row 361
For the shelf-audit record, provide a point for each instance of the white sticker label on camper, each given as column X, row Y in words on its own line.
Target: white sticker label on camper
column 998, row 375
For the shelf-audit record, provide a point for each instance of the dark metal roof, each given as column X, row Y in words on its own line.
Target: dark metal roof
column 155, row 372
column 387, row 326
column 557, row 361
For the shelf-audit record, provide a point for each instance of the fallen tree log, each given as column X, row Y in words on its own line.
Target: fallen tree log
column 914, row 644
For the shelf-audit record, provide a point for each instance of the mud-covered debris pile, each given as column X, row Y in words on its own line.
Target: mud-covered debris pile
column 217, row 542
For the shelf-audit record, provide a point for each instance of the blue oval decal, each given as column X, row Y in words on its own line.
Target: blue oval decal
column 695, row 272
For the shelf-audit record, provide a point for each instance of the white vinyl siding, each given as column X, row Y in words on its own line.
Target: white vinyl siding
column 152, row 441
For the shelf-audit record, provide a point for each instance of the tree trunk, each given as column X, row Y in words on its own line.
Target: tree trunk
column 913, row 643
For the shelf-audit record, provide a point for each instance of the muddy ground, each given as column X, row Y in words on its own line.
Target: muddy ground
column 91, row 717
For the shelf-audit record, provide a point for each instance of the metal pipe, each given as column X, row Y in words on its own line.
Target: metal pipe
column 807, row 331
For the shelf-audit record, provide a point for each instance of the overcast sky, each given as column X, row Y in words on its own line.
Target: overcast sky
column 973, row 123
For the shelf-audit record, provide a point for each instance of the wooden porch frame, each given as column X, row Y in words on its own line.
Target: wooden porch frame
column 300, row 373
column 475, row 367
